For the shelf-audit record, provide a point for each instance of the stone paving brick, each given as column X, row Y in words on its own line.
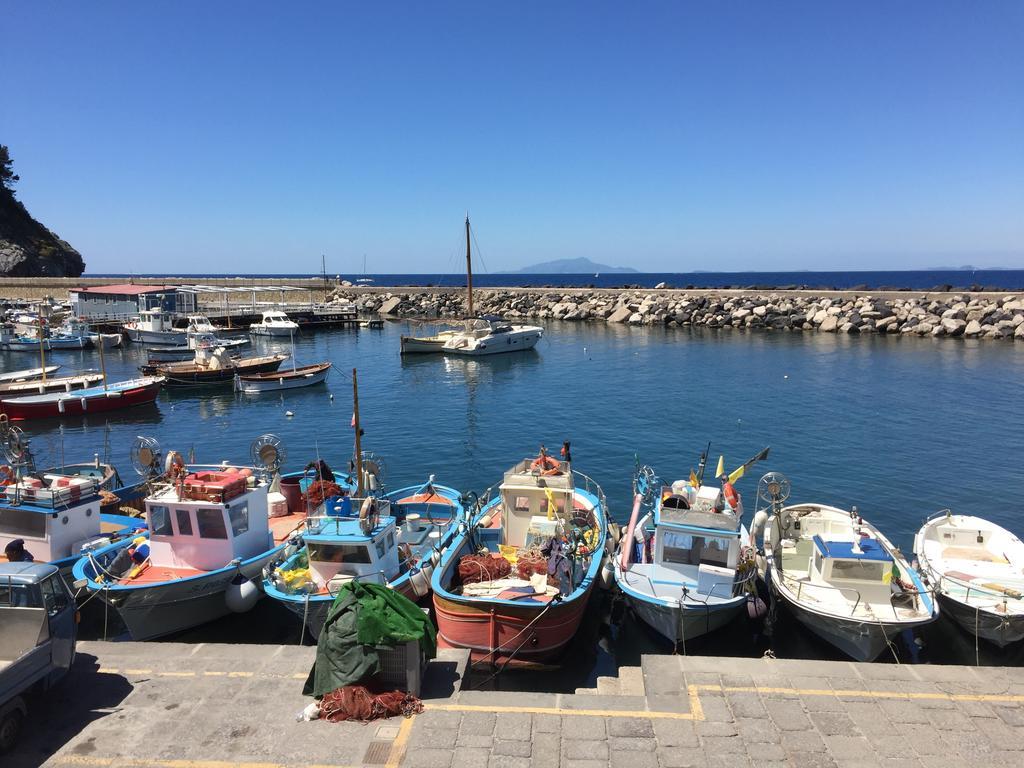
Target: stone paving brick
column 704, row 728
column 470, row 757
column 903, row 711
column 589, row 728
column 746, row 705
column 801, row 741
column 546, row 750
column 849, row 748
column 478, row 722
column 716, row 710
column 512, row 725
column 427, row 737
column 1009, row 714
column 514, row 747
column 633, row 760
column 482, row 740
column 757, row 731
column 870, row 718
column 729, row 761
column 585, row 750
column 423, row 757
column 923, row 742
column 584, row 764
column 508, row 761
column 951, row 719
column 811, row 760
column 723, row 745
column 546, row 724
column 681, row 757
column 834, row 724
column 761, row 752
column 433, row 718
column 632, row 744
column 630, row 726
column 1007, row 737
column 675, row 733
column 789, row 716
column 900, row 762
column 662, row 674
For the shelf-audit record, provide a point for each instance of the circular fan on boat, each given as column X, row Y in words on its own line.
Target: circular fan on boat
column 773, row 488
column 267, row 452
column 15, row 444
column 145, row 456
column 645, row 483
column 373, row 466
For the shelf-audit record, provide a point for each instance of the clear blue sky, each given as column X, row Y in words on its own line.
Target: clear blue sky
column 670, row 136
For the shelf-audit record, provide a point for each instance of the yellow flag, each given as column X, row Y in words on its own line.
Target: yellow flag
column 737, row 473
column 693, row 479
column 721, row 467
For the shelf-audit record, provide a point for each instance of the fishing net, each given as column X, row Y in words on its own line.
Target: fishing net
column 319, row 490
column 477, row 568
column 356, row 702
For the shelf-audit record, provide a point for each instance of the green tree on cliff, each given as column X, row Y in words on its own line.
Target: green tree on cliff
column 8, row 178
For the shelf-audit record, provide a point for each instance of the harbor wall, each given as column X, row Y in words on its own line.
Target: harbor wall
column 992, row 316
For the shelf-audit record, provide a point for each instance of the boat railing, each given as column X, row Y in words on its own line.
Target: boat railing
column 982, row 591
column 592, row 487
column 801, row 584
column 52, row 497
column 321, row 524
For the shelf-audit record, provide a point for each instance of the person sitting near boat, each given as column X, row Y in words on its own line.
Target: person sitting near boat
column 15, row 552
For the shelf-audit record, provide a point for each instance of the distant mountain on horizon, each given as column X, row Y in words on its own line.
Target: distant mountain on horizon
column 579, row 266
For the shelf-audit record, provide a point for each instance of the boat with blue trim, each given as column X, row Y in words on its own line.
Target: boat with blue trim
column 513, row 586
column 838, row 574
column 683, row 566
column 394, row 539
column 211, row 534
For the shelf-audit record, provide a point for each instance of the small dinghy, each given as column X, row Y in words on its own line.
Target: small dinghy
column 53, row 384
column 27, row 375
column 977, row 570
column 840, row 577
column 684, row 567
column 301, row 376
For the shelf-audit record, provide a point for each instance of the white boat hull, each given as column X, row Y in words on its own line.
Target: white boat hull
column 420, row 346
column 515, row 341
column 677, row 625
column 997, row 629
column 172, row 338
column 161, row 609
column 260, row 330
column 283, row 382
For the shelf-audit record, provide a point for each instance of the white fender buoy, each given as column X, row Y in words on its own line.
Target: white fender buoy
column 420, row 582
column 606, row 576
column 289, row 414
column 241, row 595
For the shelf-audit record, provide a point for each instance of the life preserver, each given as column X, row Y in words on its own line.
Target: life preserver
column 368, row 515
column 732, row 497
column 7, row 476
column 546, row 465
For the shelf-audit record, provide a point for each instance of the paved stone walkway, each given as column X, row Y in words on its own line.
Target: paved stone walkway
column 701, row 711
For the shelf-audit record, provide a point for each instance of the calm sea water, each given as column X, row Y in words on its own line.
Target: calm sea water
column 920, row 280
column 900, row 427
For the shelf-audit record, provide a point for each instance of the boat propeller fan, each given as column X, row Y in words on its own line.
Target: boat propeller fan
column 145, row 456
column 773, row 489
column 267, row 452
column 374, row 469
column 13, row 441
column 645, row 483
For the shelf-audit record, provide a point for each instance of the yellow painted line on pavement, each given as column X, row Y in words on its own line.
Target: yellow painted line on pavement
column 176, row 674
column 138, row 671
column 916, row 696
column 132, row 762
column 399, row 744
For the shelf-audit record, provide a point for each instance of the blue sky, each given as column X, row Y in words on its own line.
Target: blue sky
column 668, row 136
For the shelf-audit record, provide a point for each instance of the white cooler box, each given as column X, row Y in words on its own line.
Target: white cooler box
column 715, row 581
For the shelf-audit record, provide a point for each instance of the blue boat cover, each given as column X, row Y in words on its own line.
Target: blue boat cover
column 870, row 549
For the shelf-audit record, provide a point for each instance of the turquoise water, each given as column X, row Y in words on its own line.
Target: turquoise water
column 901, row 427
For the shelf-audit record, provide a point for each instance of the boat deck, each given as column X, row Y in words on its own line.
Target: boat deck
column 666, row 583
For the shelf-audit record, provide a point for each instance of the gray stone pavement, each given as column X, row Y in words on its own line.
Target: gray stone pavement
column 703, row 711
column 171, row 705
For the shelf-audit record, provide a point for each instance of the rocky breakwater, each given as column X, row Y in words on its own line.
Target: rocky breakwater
column 957, row 315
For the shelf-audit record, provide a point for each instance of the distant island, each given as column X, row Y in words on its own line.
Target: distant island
column 570, row 266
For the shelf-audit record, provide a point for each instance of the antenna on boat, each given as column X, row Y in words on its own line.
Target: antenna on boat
column 103, row 364
column 355, row 426
column 42, row 354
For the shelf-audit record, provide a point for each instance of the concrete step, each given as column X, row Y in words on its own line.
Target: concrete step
column 607, row 686
column 629, row 682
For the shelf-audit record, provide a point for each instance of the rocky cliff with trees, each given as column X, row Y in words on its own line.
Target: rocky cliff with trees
column 27, row 248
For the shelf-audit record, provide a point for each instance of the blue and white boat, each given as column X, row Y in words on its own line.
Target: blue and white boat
column 395, row 539
column 211, row 534
column 839, row 575
column 32, row 344
column 682, row 566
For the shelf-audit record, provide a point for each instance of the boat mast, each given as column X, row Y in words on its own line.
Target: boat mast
column 103, row 364
column 469, row 271
column 42, row 354
column 355, row 424
column 323, row 271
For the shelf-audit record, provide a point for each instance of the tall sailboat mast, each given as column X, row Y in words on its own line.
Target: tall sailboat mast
column 469, row 271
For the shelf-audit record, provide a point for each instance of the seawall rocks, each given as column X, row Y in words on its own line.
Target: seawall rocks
column 955, row 315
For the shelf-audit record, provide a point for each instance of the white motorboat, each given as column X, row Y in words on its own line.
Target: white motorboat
column 275, row 381
column 479, row 336
column 684, row 567
column 201, row 324
column 195, row 341
column 154, row 326
column 977, row 571
column 838, row 574
column 274, row 323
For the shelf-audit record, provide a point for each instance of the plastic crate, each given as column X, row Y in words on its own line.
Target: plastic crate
column 402, row 666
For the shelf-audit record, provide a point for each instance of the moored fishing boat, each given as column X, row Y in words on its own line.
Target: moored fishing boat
column 50, row 384
column 977, row 571
column 684, row 566
column 211, row 534
column 100, row 399
column 394, row 539
column 838, row 574
column 513, row 586
column 291, row 378
column 155, row 326
column 176, row 354
column 212, row 366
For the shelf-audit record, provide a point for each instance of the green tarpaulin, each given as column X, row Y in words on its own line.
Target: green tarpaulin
column 362, row 617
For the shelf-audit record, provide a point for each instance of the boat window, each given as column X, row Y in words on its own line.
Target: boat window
column 19, row 523
column 686, row 549
column 184, row 522
column 522, row 503
column 160, row 520
column 380, row 547
column 391, row 539
column 211, row 524
column 339, row 553
column 862, row 570
column 54, row 595
column 239, row 514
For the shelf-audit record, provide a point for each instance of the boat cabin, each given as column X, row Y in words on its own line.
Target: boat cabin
column 340, row 549
column 537, row 502
column 55, row 515
column 154, row 320
column 207, row 519
column 854, row 563
column 696, row 541
column 275, row 317
column 200, row 324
